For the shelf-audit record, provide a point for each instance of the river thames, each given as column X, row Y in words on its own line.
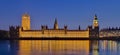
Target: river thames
column 59, row 47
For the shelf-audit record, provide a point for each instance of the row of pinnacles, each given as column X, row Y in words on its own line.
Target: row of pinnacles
column 25, row 31
column 14, row 31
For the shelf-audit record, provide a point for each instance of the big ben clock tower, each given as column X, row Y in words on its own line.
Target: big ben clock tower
column 95, row 27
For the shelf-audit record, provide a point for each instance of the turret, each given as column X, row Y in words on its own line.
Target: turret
column 79, row 27
column 65, row 28
column 14, row 31
column 55, row 24
column 25, row 24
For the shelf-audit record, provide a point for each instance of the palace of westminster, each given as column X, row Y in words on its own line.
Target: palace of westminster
column 25, row 30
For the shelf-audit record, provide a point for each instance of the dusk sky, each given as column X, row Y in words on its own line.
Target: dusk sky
column 68, row 12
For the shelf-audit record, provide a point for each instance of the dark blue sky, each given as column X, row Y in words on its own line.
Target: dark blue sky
column 68, row 12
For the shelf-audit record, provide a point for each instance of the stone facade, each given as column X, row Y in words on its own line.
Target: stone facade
column 54, row 33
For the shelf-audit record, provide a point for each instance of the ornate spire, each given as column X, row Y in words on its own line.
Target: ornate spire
column 95, row 17
column 55, row 24
column 79, row 27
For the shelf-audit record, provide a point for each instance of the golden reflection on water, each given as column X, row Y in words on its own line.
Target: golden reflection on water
column 53, row 47
column 64, row 47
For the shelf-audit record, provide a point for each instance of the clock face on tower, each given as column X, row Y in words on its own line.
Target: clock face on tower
column 95, row 23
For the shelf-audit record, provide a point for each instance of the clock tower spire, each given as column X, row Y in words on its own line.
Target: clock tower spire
column 95, row 22
column 55, row 24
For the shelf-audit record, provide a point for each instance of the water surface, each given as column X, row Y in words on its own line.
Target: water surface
column 59, row 47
